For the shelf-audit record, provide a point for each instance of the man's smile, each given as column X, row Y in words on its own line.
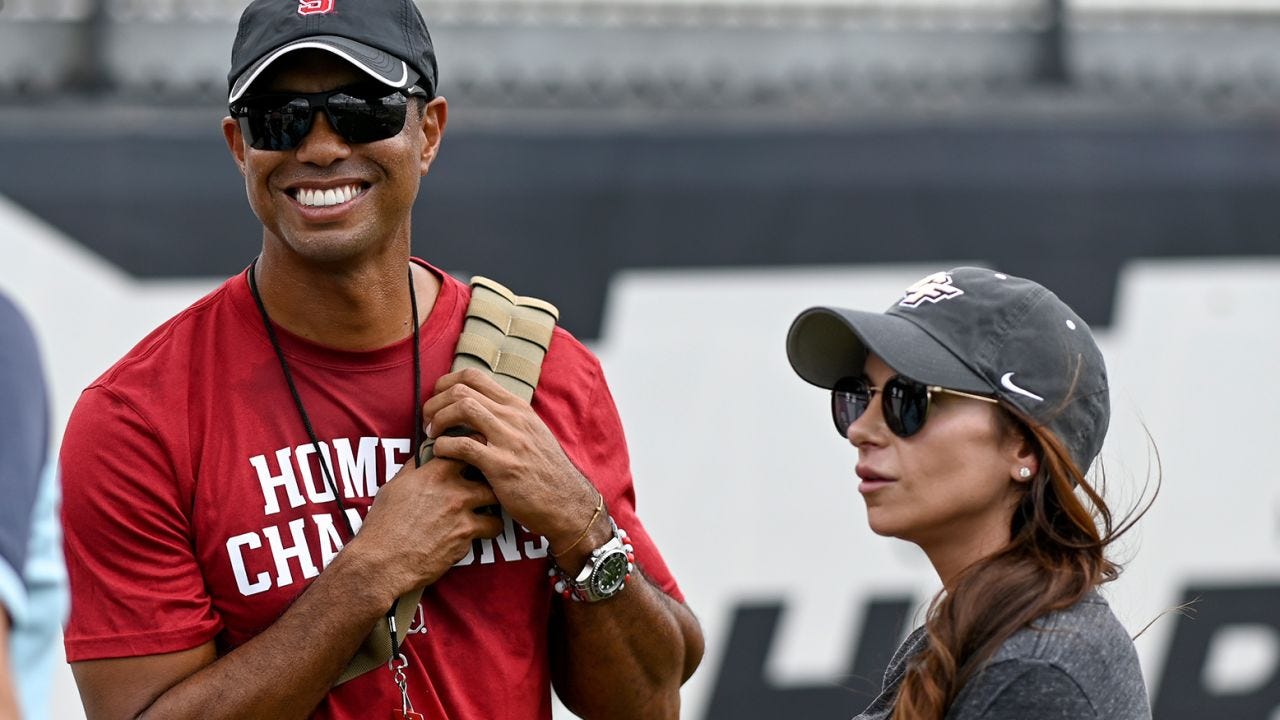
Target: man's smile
column 327, row 197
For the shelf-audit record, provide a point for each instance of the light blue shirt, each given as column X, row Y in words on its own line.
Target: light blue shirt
column 33, row 580
column 37, row 603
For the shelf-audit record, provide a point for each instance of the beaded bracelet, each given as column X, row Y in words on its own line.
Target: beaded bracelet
column 563, row 583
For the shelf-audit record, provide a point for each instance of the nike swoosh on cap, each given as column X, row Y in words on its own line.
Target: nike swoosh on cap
column 1007, row 381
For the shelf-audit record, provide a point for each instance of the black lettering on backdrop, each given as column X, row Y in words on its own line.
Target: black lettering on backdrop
column 1182, row 692
column 742, row 690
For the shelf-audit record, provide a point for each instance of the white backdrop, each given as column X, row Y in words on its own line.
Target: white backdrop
column 750, row 493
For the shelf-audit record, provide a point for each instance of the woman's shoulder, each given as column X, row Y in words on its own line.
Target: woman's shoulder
column 1081, row 654
column 1086, row 631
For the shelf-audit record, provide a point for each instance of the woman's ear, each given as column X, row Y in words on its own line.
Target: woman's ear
column 1020, row 450
column 1024, row 461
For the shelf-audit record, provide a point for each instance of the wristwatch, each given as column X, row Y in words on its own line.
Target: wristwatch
column 607, row 570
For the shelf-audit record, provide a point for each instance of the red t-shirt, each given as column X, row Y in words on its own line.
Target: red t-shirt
column 195, row 509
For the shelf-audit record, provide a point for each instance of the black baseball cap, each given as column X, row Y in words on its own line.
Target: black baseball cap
column 387, row 39
column 975, row 330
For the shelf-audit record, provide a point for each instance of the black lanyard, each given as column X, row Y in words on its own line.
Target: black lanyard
column 302, row 411
column 306, row 421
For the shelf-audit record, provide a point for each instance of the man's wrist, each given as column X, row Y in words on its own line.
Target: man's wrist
column 579, row 519
column 371, row 585
column 560, row 543
column 573, row 559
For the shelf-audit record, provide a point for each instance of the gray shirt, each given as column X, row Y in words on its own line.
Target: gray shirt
column 1076, row 664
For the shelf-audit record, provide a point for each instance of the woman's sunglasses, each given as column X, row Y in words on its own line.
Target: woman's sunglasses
column 365, row 114
column 904, row 403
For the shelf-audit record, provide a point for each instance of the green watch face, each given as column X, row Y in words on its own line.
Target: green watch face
column 609, row 573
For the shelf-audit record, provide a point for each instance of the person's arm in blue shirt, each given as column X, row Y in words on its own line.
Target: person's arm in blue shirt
column 24, row 441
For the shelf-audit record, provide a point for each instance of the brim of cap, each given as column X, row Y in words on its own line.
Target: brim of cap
column 389, row 70
column 826, row 344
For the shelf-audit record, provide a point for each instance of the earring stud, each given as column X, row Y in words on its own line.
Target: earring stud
column 1024, row 472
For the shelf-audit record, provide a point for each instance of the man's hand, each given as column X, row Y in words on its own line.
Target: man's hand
column 423, row 521
column 530, row 474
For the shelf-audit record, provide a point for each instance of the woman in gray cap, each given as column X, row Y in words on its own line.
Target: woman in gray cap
column 977, row 402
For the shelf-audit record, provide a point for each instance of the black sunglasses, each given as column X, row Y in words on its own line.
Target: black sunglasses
column 904, row 402
column 281, row 121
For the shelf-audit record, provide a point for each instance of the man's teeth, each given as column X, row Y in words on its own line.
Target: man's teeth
column 332, row 196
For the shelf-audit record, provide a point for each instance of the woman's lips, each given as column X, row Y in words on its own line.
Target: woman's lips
column 871, row 480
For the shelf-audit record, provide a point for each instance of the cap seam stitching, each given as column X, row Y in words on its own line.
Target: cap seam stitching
column 997, row 341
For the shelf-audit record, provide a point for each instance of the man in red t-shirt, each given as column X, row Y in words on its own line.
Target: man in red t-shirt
column 242, row 501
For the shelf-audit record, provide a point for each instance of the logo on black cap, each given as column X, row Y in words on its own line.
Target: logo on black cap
column 934, row 288
column 315, row 7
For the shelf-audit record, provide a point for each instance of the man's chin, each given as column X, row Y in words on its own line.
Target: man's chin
column 328, row 248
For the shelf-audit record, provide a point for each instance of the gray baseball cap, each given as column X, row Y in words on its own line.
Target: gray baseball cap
column 975, row 330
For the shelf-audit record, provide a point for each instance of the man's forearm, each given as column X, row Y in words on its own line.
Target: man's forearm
column 421, row 523
column 289, row 668
column 627, row 656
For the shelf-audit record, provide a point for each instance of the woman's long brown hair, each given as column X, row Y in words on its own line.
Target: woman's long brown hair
column 1060, row 530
